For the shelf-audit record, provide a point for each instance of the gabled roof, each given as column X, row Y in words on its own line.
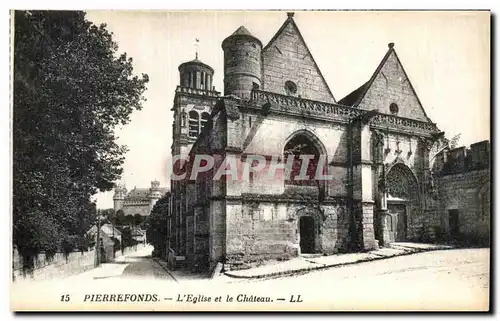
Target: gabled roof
column 106, row 229
column 356, row 97
column 290, row 21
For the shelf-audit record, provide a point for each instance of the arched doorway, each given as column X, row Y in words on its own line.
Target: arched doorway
column 307, row 234
column 402, row 203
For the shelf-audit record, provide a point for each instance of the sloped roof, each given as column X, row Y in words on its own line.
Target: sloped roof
column 352, row 98
column 106, row 229
column 138, row 194
column 291, row 21
column 355, row 97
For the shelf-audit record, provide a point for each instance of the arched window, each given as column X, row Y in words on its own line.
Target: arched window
column 401, row 183
column 204, row 118
column 301, row 145
column 194, row 123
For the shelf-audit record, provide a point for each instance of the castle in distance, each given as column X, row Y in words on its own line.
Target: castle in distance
column 138, row 200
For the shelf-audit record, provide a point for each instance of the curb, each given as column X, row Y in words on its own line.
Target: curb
column 407, row 251
column 161, row 264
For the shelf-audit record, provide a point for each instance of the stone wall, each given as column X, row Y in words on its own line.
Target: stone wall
column 144, row 208
column 288, row 59
column 270, row 231
column 57, row 267
column 469, row 193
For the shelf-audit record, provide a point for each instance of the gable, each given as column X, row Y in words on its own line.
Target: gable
column 390, row 85
column 287, row 58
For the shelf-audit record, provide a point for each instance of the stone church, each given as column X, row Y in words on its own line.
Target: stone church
column 392, row 168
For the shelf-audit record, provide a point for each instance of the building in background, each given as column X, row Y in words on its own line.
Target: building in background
column 138, row 200
column 390, row 181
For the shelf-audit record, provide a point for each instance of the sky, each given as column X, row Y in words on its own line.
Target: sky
column 445, row 54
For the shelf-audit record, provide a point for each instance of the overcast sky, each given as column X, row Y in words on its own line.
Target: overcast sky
column 445, row 54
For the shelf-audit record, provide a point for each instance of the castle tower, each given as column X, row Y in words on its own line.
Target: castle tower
column 119, row 197
column 154, row 193
column 193, row 102
column 242, row 63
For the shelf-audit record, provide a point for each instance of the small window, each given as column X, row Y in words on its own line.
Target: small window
column 290, row 87
column 394, row 108
column 255, row 86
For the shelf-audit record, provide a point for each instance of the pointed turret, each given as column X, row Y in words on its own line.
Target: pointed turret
column 242, row 63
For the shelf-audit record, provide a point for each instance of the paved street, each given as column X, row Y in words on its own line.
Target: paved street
column 141, row 265
column 449, row 279
column 138, row 264
column 439, row 280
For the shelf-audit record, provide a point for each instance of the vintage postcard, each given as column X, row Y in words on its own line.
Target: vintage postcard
column 250, row 160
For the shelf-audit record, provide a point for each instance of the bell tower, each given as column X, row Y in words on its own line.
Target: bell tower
column 194, row 99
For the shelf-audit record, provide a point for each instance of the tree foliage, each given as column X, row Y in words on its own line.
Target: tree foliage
column 71, row 89
column 156, row 231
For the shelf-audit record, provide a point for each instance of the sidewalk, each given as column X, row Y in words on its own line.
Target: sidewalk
column 305, row 264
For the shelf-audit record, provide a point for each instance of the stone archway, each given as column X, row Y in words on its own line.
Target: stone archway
column 402, row 221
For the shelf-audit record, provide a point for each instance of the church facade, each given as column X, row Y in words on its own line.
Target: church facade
column 383, row 159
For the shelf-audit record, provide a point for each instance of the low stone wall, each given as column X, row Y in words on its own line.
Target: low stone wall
column 57, row 267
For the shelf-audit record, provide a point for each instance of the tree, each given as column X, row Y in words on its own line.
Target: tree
column 120, row 218
column 109, row 214
column 156, row 232
column 129, row 220
column 453, row 142
column 138, row 219
column 71, row 90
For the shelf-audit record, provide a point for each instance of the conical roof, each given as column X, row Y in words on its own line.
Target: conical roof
column 242, row 32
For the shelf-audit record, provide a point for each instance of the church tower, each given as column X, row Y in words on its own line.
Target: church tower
column 193, row 103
